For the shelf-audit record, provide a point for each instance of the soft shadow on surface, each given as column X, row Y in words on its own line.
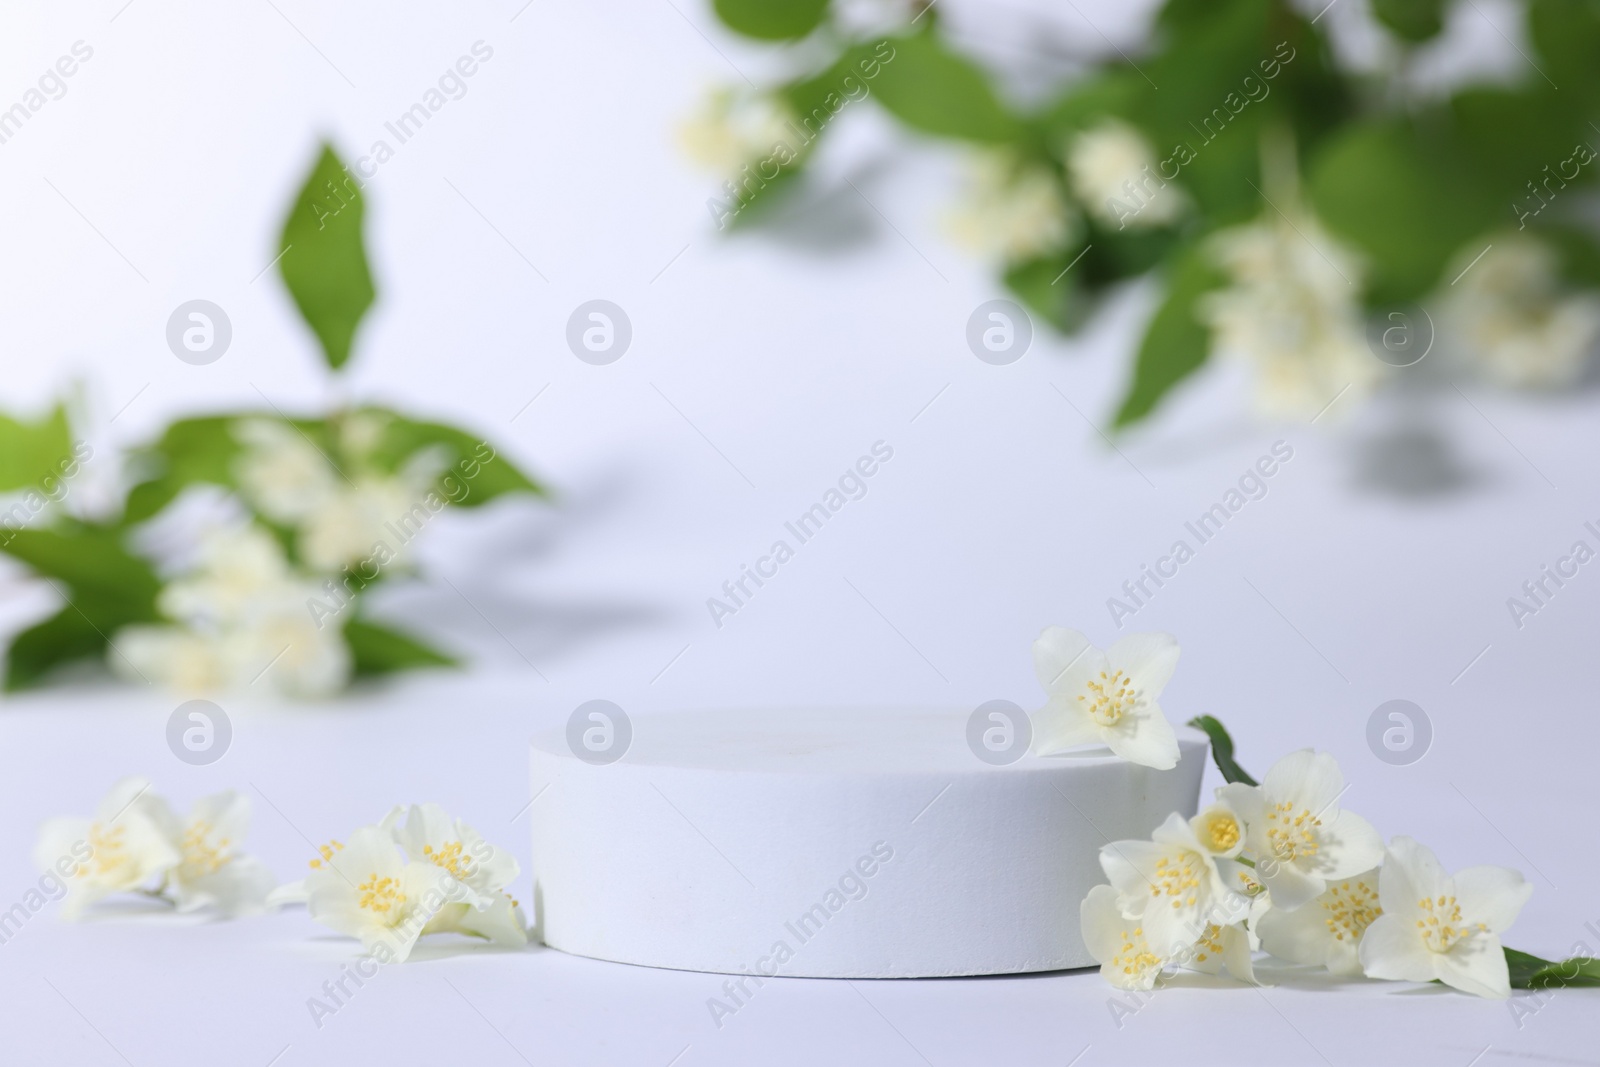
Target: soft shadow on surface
column 1417, row 461
column 479, row 597
column 433, row 947
column 826, row 218
column 1275, row 972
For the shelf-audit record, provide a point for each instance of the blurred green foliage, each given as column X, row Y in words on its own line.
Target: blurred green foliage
column 87, row 558
column 1406, row 181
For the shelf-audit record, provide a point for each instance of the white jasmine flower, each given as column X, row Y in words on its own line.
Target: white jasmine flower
column 296, row 892
column 122, row 849
column 1225, row 947
column 376, row 518
column 1509, row 313
column 235, row 566
column 1130, row 960
column 1171, row 884
column 429, row 835
column 500, row 921
column 186, row 661
column 1012, row 210
column 479, row 874
column 1435, row 926
column 211, row 869
column 350, row 525
column 1297, row 832
column 1219, row 830
column 368, row 891
column 361, row 432
column 732, row 130
column 1292, row 312
column 1326, row 932
column 1113, row 171
column 284, row 475
column 280, row 642
column 1106, row 697
column 275, row 640
column 1126, row 957
column 242, row 615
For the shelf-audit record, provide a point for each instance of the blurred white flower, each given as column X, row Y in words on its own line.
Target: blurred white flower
column 1509, row 313
column 734, row 129
column 295, row 892
column 1326, row 932
column 211, row 869
column 280, row 641
column 352, row 524
column 124, row 848
column 184, row 660
column 1106, row 697
column 361, row 432
column 1011, row 210
column 1435, row 926
column 136, row 843
column 280, row 472
column 233, row 567
column 1292, row 312
column 242, row 615
column 1113, row 171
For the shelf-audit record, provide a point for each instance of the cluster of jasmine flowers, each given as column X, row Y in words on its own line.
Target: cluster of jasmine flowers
column 1278, row 867
column 242, row 598
column 417, row 871
column 136, row 843
column 1291, row 308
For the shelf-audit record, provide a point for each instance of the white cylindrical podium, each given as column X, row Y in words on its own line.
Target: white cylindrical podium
column 837, row 844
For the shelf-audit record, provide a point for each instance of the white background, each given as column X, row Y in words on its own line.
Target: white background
column 1377, row 567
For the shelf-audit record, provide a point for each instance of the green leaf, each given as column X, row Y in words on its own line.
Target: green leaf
column 92, row 562
column 1050, row 291
column 106, row 588
column 1222, row 749
column 191, row 451
column 38, row 650
column 1090, row 101
column 771, row 20
column 377, row 650
column 477, row 474
column 1176, row 343
column 1397, row 196
column 36, row 455
column 324, row 263
column 1579, row 252
column 1530, row 972
column 932, row 89
column 1566, row 35
column 1229, row 70
column 1116, row 255
column 1511, row 138
column 1411, row 20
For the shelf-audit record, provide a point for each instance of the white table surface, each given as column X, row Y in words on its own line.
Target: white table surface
column 762, row 367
